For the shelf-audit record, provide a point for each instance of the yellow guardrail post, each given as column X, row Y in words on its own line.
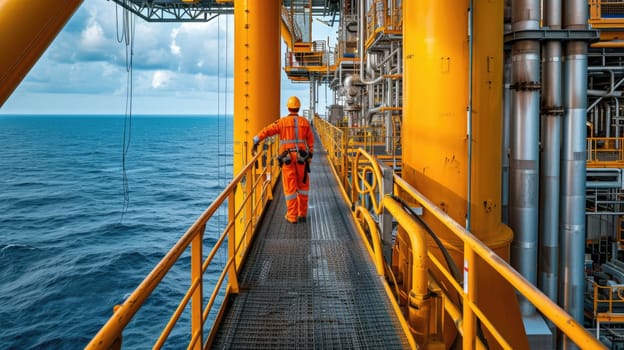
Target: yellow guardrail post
column 197, row 324
column 249, row 191
column 419, row 307
column 354, row 179
column 343, row 146
column 469, row 324
column 231, row 234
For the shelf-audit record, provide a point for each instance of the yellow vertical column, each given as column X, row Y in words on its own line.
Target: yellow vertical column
column 256, row 83
column 256, row 72
column 443, row 73
column 26, row 31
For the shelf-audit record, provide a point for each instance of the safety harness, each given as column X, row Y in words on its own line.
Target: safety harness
column 302, row 159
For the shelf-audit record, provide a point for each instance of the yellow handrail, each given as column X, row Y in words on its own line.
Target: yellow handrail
column 606, row 14
column 473, row 248
column 605, row 152
column 608, row 300
column 257, row 186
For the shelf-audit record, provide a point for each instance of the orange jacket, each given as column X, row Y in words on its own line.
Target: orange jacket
column 294, row 132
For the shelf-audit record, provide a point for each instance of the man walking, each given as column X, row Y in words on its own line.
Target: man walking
column 295, row 154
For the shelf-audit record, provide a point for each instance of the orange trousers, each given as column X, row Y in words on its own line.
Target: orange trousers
column 295, row 189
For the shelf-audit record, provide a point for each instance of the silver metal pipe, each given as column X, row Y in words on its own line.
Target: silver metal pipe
column 506, row 119
column 613, row 87
column 524, row 145
column 551, row 143
column 617, row 116
column 388, row 119
column 603, row 93
column 607, row 120
column 506, row 136
column 313, row 98
column 573, row 171
column 361, row 41
column 605, row 68
column 573, row 180
column 469, row 114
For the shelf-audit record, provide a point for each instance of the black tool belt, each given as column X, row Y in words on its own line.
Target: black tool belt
column 284, row 157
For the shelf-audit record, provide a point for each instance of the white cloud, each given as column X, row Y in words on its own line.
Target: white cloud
column 160, row 78
column 92, row 37
column 175, row 49
column 86, row 63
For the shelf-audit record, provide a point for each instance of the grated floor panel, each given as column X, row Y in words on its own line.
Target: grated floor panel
column 310, row 285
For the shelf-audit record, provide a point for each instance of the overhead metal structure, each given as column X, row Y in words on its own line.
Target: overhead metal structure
column 205, row 10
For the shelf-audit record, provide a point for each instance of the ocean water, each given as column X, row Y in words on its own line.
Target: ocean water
column 67, row 254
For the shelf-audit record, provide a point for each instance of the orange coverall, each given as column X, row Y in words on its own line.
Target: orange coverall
column 295, row 135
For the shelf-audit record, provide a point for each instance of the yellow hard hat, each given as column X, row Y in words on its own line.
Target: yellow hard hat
column 293, row 103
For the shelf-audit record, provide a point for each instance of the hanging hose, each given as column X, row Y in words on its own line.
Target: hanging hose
column 447, row 256
column 222, row 126
column 126, row 35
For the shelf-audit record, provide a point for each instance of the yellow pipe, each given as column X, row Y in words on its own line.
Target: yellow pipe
column 26, row 31
column 437, row 81
column 547, row 307
column 256, row 81
column 418, row 304
column 256, row 72
column 399, row 312
column 373, row 167
column 608, row 45
column 197, row 324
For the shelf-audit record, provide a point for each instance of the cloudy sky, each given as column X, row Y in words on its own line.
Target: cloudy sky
column 179, row 68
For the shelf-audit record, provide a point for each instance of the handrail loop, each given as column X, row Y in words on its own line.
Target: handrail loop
column 466, row 315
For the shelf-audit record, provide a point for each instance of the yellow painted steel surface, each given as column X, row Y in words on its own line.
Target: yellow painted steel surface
column 256, row 72
column 606, row 13
column 465, row 312
column 605, row 152
column 437, row 93
column 237, row 248
column 441, row 82
column 256, row 79
column 26, row 31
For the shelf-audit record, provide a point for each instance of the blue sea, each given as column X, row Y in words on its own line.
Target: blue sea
column 71, row 247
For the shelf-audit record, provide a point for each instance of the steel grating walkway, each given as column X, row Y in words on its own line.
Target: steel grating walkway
column 310, row 285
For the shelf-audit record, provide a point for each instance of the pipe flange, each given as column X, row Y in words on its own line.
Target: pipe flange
column 553, row 111
column 526, row 85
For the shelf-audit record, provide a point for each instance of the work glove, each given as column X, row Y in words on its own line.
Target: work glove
column 254, row 148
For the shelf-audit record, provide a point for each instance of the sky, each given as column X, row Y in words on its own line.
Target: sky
column 178, row 68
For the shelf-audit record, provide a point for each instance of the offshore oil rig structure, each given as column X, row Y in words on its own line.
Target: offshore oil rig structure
column 468, row 193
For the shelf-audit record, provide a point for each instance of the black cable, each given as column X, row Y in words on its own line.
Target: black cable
column 449, row 262
column 128, row 30
column 447, row 256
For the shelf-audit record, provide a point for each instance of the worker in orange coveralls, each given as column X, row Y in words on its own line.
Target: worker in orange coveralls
column 295, row 154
